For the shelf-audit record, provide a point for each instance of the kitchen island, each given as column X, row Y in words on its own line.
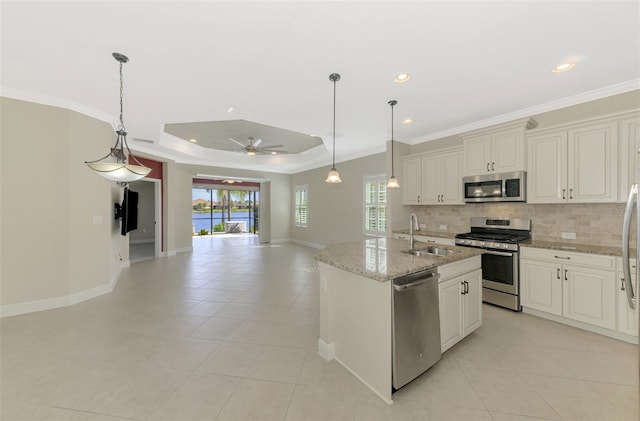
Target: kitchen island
column 356, row 302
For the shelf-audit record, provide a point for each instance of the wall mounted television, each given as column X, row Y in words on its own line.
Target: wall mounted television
column 128, row 211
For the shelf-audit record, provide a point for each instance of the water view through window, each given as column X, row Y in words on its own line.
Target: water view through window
column 219, row 210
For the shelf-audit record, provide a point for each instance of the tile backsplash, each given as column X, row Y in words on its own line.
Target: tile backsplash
column 597, row 224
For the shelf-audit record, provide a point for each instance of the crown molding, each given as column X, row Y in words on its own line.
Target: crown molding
column 53, row 101
column 620, row 88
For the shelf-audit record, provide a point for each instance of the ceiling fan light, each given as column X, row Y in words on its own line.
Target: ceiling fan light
column 251, row 153
column 333, row 177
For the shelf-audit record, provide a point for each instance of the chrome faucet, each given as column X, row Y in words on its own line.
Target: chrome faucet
column 413, row 224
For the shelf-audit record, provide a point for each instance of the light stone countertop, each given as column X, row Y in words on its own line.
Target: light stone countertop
column 576, row 247
column 438, row 234
column 382, row 259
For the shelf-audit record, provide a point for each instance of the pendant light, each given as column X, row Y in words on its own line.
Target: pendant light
column 393, row 181
column 120, row 171
column 334, row 175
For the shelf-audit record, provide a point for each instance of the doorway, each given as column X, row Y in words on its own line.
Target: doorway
column 145, row 242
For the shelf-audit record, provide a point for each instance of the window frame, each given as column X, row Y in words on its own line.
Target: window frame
column 298, row 206
column 379, row 180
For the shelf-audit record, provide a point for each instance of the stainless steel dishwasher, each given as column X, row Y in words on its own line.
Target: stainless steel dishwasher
column 416, row 325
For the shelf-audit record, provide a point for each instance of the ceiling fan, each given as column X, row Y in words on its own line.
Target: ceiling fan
column 253, row 148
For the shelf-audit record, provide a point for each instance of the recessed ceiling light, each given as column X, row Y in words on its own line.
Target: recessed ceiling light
column 563, row 67
column 407, row 121
column 193, row 140
column 402, row 77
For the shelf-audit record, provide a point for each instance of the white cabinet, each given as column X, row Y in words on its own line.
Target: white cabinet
column 540, row 287
column 627, row 318
column 433, row 179
column 460, row 307
column 629, row 137
column 573, row 165
column 496, row 149
column 575, row 286
column 411, row 181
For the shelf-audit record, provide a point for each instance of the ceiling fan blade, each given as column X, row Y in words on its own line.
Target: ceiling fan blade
column 257, row 142
column 272, row 146
column 239, row 143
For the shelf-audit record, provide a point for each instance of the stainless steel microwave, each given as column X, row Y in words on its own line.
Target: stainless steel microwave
column 499, row 187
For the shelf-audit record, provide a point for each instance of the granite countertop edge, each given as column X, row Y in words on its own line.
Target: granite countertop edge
column 438, row 234
column 575, row 247
column 389, row 258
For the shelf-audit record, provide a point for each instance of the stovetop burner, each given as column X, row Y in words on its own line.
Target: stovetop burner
column 496, row 233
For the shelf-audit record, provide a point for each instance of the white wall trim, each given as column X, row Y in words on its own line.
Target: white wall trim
column 386, row 400
column 326, row 351
column 53, row 101
column 171, row 253
column 307, row 244
column 63, row 301
column 600, row 93
column 580, row 325
column 147, row 241
column 183, row 250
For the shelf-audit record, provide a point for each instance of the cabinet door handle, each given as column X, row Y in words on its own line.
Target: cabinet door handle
column 466, row 285
column 487, row 167
column 418, row 198
column 493, row 165
column 463, row 288
column 622, row 284
column 565, row 275
column 558, row 273
column 570, row 193
column 564, row 194
column 561, row 257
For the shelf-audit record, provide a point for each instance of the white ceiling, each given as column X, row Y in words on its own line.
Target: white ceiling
column 472, row 64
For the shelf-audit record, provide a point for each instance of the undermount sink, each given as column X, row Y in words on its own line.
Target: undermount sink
column 430, row 251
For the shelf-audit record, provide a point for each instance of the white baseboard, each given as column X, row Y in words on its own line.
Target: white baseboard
column 64, row 301
column 326, row 351
column 580, row 325
column 148, row 241
column 183, row 250
column 308, row 244
column 171, row 253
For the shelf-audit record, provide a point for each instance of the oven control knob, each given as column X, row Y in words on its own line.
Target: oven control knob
column 482, row 243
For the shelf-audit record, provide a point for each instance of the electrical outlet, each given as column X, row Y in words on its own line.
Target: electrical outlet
column 569, row 235
column 423, row 226
column 443, row 227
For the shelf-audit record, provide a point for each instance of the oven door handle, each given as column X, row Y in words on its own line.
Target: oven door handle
column 499, row 253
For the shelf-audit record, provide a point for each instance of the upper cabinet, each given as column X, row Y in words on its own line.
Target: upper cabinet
column 497, row 149
column 433, row 178
column 587, row 162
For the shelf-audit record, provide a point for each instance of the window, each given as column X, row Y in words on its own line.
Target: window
column 302, row 198
column 375, row 204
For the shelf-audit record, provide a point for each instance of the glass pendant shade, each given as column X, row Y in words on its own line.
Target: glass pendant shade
column 334, row 176
column 120, row 172
column 393, row 182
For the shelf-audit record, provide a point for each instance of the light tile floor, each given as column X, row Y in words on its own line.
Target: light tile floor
column 229, row 332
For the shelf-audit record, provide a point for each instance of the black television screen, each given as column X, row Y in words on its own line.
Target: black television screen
column 129, row 212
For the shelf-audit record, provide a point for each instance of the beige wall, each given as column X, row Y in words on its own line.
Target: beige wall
column 335, row 211
column 51, row 247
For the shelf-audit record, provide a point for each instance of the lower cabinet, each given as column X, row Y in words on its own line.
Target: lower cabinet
column 460, row 307
column 574, row 286
column 627, row 318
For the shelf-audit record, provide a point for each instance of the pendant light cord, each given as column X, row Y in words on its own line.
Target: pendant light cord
column 121, row 127
column 392, row 172
column 334, row 124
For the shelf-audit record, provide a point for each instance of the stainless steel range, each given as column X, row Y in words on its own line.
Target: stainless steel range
column 501, row 239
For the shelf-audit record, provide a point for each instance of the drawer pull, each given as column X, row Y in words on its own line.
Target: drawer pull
column 570, row 193
column 558, row 273
column 565, row 275
column 564, row 193
column 562, row 257
column 621, row 284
